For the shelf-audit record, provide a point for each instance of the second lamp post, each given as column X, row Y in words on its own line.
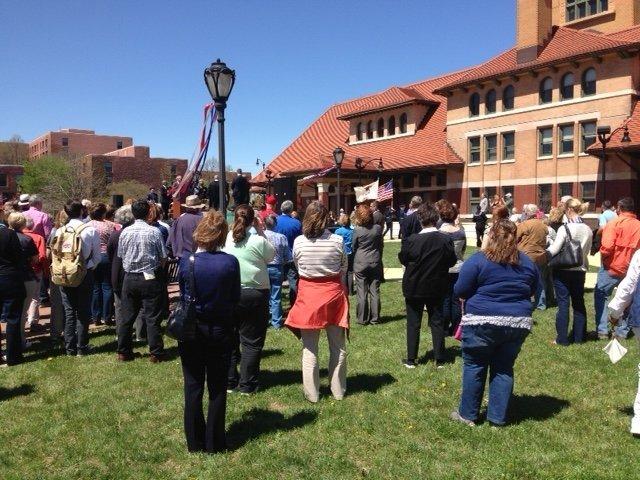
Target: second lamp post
column 338, row 157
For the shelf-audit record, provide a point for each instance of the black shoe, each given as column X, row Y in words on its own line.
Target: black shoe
column 409, row 363
column 85, row 351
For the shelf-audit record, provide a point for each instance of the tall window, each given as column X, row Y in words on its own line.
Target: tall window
column 546, row 90
column 474, row 150
column 424, row 179
column 119, row 145
column 545, row 142
column 380, row 128
column 544, row 197
column 391, row 128
column 174, row 172
column 588, row 193
column 577, row 9
column 65, row 141
column 490, row 101
column 441, row 178
column 369, row 129
column 566, row 87
column 508, row 146
column 565, row 189
column 407, row 180
column 589, row 82
column 474, row 199
column 108, row 172
column 403, row 123
column 474, row 105
column 587, row 135
column 490, row 148
column 3, row 179
column 359, row 131
column 508, row 98
column 565, row 138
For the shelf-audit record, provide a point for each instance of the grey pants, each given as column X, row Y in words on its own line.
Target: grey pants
column 368, row 298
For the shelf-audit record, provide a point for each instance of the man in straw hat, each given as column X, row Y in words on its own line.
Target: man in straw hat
column 181, row 234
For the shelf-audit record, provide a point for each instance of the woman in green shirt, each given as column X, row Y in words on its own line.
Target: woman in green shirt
column 247, row 243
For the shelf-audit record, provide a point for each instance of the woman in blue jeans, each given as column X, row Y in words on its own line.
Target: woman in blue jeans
column 205, row 360
column 497, row 285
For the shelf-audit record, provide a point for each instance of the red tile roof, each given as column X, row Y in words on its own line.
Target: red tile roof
column 565, row 44
column 428, row 147
column 391, row 98
column 633, row 125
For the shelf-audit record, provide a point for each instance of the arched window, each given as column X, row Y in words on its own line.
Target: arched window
column 391, row 128
column 380, row 128
column 403, row 123
column 589, row 82
column 508, row 98
column 474, row 105
column 566, row 86
column 546, row 90
column 490, row 101
column 359, row 131
column 369, row 129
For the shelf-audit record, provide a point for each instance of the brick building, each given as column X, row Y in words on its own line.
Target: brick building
column 522, row 122
column 115, row 158
column 9, row 178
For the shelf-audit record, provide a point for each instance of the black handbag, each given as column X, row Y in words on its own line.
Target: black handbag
column 182, row 321
column 570, row 255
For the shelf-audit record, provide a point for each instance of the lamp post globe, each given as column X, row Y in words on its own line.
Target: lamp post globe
column 338, row 157
column 220, row 80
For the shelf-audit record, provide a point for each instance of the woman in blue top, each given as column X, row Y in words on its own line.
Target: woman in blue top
column 346, row 232
column 217, row 291
column 497, row 285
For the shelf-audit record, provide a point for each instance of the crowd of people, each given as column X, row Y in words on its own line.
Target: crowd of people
column 96, row 264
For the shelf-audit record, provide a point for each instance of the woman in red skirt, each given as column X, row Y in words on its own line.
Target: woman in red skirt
column 322, row 302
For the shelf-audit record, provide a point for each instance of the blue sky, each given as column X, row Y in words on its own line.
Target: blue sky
column 135, row 67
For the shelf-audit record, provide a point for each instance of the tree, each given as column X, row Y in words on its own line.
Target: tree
column 58, row 179
column 14, row 151
column 128, row 189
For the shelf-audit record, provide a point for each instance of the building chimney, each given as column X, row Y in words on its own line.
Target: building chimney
column 532, row 28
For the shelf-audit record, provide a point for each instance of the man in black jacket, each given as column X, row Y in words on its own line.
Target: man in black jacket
column 214, row 193
column 411, row 223
column 240, row 189
column 427, row 257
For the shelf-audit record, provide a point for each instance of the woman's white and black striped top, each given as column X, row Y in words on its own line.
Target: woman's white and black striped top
column 319, row 257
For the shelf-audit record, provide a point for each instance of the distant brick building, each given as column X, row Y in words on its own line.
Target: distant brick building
column 9, row 178
column 113, row 157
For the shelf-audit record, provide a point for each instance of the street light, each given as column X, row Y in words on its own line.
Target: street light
column 220, row 80
column 605, row 135
column 380, row 168
column 359, row 167
column 269, row 174
column 338, row 157
column 258, row 162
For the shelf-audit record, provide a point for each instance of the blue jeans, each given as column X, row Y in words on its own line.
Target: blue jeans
column 275, row 299
column 489, row 349
column 569, row 286
column 77, row 312
column 540, row 298
column 102, row 299
column 604, row 287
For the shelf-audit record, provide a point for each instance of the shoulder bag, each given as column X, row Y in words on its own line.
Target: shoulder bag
column 570, row 255
column 182, row 321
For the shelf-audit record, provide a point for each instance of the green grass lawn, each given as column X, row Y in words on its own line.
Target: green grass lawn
column 92, row 418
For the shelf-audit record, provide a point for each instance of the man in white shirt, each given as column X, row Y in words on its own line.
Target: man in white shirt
column 76, row 301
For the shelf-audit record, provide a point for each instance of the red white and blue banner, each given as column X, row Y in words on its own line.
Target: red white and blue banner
column 386, row 191
column 319, row 174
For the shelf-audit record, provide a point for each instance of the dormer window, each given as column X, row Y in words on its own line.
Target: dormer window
column 380, row 129
column 369, row 130
column 577, row 9
column 391, row 128
column 403, row 123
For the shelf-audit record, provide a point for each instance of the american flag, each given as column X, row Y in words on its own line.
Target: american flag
column 386, row 191
column 321, row 173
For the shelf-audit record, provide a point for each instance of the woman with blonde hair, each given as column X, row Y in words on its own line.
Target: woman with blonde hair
column 247, row 243
column 322, row 303
column 497, row 285
column 569, row 281
column 206, row 358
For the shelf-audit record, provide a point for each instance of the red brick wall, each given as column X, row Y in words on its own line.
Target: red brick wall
column 149, row 171
column 11, row 171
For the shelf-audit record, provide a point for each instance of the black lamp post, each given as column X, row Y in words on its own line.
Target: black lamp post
column 258, row 162
column 380, row 168
column 220, row 80
column 338, row 157
column 269, row 174
column 359, row 167
column 605, row 135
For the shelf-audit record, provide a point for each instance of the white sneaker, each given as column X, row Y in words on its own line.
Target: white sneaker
column 635, row 426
